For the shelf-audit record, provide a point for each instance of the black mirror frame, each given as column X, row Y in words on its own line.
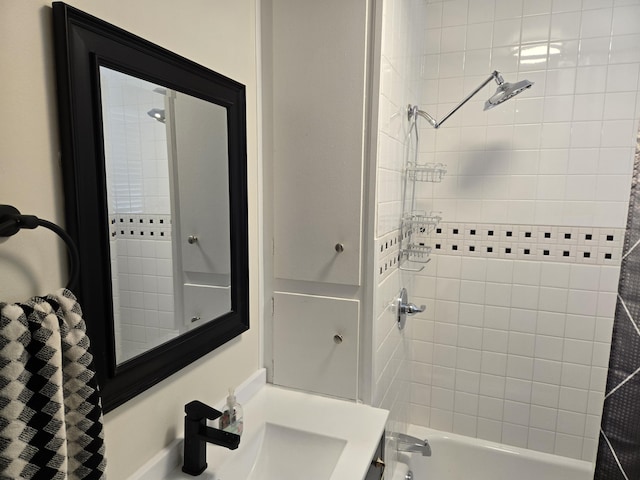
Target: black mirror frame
column 82, row 44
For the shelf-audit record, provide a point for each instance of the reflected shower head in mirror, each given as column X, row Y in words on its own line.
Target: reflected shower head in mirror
column 157, row 113
column 505, row 92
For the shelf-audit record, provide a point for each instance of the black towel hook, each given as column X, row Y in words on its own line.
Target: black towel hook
column 12, row 221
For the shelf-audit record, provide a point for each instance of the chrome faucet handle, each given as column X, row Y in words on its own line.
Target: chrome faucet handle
column 411, row 309
column 404, row 308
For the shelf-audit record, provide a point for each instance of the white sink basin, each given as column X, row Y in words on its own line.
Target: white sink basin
column 282, row 452
column 290, row 435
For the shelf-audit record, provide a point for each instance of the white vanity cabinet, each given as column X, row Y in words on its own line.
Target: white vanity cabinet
column 315, row 73
column 316, row 343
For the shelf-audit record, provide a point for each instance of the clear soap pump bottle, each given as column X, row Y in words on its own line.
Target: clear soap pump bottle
column 232, row 418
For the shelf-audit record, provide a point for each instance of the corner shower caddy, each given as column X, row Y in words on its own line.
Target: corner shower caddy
column 417, row 223
column 414, row 222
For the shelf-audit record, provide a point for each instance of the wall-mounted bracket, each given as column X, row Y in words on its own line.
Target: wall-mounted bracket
column 11, row 221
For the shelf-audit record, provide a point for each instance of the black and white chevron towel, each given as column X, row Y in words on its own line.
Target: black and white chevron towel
column 50, row 413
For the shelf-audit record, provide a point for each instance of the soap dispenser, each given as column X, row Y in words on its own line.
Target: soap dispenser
column 232, row 419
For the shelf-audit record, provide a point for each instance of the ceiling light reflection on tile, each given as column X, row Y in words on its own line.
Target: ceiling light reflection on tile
column 536, row 54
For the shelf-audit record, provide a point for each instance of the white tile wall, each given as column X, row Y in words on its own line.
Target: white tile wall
column 514, row 351
column 559, row 154
column 402, row 42
column 136, row 155
column 514, row 346
column 143, row 294
column 137, row 171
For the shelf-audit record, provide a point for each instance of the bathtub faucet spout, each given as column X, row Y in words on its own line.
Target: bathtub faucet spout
column 407, row 443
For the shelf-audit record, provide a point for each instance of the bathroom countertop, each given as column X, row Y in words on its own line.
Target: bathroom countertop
column 359, row 426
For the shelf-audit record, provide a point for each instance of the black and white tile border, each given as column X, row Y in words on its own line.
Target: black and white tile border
column 141, row 226
column 388, row 254
column 590, row 245
column 587, row 245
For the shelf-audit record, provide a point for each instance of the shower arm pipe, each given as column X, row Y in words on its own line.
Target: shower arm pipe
column 413, row 110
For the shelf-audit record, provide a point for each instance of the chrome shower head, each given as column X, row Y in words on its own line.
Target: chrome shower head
column 505, row 91
column 158, row 114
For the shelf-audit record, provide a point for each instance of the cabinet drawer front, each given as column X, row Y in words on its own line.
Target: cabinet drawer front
column 306, row 354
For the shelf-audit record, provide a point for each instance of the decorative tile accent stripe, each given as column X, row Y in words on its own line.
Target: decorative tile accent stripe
column 590, row 245
column 587, row 245
column 388, row 248
column 141, row 226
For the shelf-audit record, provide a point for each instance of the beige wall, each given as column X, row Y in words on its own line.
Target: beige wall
column 215, row 33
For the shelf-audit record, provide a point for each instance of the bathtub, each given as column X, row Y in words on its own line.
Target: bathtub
column 455, row 457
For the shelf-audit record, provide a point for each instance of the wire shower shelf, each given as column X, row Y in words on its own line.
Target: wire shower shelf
column 421, row 222
column 428, row 172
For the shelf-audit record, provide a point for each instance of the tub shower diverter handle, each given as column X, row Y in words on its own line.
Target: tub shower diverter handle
column 412, row 309
column 404, row 308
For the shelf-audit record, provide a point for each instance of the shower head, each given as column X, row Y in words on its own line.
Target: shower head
column 506, row 91
column 157, row 113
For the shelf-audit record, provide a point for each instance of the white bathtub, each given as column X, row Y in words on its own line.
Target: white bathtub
column 455, row 457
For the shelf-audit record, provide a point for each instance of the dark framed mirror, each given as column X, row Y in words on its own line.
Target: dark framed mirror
column 154, row 164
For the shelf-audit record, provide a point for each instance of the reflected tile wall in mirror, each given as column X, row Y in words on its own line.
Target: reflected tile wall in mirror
column 138, row 193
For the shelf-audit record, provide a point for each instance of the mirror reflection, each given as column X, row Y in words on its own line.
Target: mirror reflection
column 166, row 153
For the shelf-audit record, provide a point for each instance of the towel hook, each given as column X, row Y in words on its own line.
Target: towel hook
column 11, row 222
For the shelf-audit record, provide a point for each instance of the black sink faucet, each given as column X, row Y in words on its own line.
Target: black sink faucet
column 197, row 434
